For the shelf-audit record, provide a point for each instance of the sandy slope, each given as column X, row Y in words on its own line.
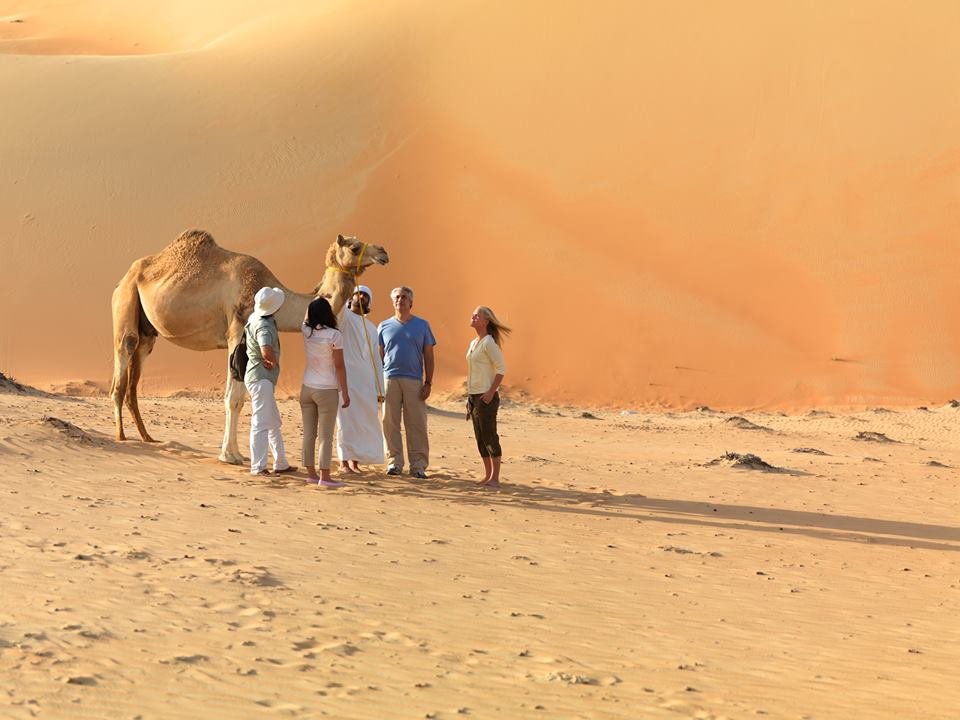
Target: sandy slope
column 616, row 575
column 749, row 204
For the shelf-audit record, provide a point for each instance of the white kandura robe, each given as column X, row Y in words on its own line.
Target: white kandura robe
column 359, row 433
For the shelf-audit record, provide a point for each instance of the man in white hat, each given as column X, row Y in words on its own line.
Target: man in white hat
column 359, row 436
column 263, row 369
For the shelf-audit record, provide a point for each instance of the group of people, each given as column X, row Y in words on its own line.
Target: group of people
column 352, row 368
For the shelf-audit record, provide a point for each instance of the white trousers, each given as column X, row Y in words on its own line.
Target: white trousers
column 265, row 428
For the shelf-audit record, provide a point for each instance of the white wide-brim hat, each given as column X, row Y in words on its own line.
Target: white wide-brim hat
column 364, row 289
column 267, row 301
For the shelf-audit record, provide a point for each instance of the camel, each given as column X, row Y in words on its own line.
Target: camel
column 198, row 296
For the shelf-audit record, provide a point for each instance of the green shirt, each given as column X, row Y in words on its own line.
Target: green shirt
column 261, row 331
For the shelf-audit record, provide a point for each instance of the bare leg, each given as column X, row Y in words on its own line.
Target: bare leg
column 488, row 467
column 327, row 481
column 354, row 465
column 494, row 480
column 312, row 476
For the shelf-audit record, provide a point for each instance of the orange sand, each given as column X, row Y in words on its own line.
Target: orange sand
column 742, row 204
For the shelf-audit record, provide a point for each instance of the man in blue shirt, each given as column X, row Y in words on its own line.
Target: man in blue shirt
column 406, row 347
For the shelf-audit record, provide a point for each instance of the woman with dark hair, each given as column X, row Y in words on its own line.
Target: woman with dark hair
column 485, row 371
column 323, row 376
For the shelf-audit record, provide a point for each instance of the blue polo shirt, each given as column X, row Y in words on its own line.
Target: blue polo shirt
column 403, row 345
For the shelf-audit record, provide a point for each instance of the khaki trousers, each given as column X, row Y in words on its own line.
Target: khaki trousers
column 402, row 399
column 319, row 411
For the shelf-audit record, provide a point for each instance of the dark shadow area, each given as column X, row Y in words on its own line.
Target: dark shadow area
column 845, row 528
column 461, row 414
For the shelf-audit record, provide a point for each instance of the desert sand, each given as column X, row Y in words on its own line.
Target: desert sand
column 619, row 573
column 746, row 206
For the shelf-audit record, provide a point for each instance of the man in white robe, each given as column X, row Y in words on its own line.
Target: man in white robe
column 359, row 431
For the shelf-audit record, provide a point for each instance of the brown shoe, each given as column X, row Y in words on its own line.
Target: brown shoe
column 290, row 469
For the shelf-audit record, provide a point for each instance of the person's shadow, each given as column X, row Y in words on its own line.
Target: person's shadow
column 447, row 487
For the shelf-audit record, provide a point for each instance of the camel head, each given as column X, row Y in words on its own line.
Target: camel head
column 347, row 251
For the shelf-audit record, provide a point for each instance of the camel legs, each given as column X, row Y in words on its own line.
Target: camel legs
column 133, row 339
column 126, row 338
column 144, row 348
column 123, row 353
column 233, row 397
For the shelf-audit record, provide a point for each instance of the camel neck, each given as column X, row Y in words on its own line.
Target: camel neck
column 337, row 286
column 290, row 315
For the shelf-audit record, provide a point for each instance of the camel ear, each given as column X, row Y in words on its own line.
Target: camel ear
column 341, row 241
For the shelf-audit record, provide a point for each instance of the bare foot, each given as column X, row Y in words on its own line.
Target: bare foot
column 345, row 469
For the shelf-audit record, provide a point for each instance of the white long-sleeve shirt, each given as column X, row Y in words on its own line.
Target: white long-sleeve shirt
column 484, row 362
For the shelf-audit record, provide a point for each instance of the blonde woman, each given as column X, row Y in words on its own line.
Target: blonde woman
column 485, row 371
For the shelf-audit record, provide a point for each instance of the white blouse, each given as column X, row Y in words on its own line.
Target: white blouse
column 320, row 373
column 484, row 362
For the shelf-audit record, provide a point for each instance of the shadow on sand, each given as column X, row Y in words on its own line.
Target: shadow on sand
column 449, row 488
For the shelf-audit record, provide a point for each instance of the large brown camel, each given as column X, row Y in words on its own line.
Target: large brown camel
column 198, row 296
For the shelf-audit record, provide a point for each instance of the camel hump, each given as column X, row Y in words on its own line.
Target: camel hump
column 187, row 258
column 196, row 239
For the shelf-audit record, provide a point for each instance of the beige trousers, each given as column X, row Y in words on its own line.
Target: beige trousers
column 402, row 399
column 319, row 411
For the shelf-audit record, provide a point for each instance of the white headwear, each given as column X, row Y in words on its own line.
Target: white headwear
column 364, row 289
column 267, row 301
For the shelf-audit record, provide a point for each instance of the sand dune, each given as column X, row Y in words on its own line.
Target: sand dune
column 749, row 205
column 619, row 573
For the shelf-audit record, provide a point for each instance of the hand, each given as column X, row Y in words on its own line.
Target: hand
column 379, row 399
column 346, row 400
column 269, row 364
column 488, row 397
column 425, row 391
